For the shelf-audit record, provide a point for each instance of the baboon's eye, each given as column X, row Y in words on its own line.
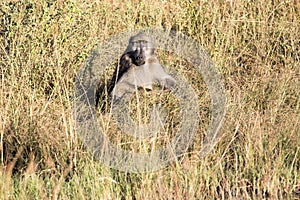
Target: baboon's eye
column 143, row 42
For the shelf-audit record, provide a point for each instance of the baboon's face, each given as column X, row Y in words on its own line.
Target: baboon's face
column 142, row 48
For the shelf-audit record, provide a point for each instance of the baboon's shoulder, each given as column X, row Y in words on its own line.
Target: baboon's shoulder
column 152, row 60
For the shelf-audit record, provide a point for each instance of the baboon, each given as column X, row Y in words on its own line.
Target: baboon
column 139, row 68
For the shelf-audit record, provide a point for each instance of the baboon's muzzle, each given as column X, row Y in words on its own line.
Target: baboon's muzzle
column 139, row 57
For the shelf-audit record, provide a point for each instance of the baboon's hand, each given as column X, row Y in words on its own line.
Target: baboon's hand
column 125, row 64
column 168, row 82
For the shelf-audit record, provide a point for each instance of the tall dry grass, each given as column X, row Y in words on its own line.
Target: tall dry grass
column 255, row 45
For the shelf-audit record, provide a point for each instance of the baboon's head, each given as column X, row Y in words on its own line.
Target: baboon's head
column 141, row 47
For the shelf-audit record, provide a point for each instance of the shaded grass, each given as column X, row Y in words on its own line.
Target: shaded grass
column 255, row 46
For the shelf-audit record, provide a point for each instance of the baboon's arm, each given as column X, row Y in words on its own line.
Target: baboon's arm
column 124, row 65
column 159, row 74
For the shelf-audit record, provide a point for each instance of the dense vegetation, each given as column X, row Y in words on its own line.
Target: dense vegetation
column 255, row 45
